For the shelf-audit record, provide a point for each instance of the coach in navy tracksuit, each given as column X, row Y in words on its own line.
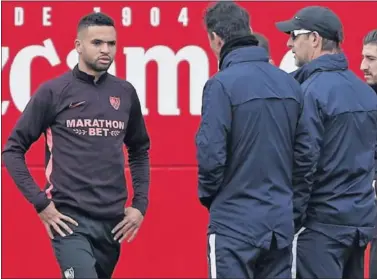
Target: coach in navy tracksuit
column 336, row 207
column 245, row 151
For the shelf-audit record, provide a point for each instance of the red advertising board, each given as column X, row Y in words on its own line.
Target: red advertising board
column 163, row 50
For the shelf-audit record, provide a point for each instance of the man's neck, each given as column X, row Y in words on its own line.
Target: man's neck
column 324, row 52
column 85, row 69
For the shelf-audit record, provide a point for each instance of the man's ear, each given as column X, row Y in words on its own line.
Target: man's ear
column 316, row 39
column 78, row 46
column 217, row 39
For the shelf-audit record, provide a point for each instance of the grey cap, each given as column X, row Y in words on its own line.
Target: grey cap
column 315, row 18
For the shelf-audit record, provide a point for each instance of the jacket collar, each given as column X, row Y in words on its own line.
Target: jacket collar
column 86, row 77
column 245, row 54
column 324, row 63
column 238, row 50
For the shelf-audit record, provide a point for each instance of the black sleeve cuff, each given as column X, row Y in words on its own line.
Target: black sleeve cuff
column 141, row 205
column 41, row 202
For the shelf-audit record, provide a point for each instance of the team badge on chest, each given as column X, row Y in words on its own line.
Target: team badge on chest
column 115, row 102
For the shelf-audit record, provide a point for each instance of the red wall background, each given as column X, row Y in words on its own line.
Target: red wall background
column 172, row 241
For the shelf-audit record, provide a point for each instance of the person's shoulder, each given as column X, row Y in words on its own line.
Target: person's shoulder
column 56, row 85
column 280, row 74
column 216, row 80
column 123, row 85
column 119, row 81
column 220, row 78
column 268, row 72
column 282, row 80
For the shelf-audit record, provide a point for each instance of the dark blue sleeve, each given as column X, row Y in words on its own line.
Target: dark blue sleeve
column 375, row 168
column 211, row 140
column 309, row 135
column 35, row 119
column 375, row 162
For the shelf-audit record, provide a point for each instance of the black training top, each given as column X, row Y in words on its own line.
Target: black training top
column 85, row 124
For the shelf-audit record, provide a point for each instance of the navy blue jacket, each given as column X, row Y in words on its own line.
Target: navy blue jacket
column 245, row 147
column 340, row 112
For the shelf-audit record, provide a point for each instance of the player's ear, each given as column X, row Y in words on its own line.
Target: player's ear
column 217, row 39
column 316, row 39
column 78, row 45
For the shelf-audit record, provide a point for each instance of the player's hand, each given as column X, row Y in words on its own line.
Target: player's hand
column 129, row 226
column 51, row 217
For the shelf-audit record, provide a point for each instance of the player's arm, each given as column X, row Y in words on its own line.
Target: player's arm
column 34, row 120
column 138, row 144
column 309, row 135
column 211, row 140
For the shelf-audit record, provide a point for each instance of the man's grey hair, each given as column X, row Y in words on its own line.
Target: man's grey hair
column 228, row 20
column 371, row 37
column 330, row 45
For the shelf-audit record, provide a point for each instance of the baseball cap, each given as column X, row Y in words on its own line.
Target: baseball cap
column 315, row 18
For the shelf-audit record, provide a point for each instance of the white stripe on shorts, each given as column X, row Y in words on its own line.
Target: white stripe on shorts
column 212, row 255
column 294, row 254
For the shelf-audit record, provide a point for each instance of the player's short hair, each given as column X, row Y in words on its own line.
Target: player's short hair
column 95, row 19
column 371, row 37
column 228, row 20
column 262, row 41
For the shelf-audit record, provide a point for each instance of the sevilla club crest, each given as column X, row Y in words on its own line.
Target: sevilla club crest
column 115, row 102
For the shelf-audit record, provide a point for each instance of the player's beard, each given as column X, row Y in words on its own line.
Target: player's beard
column 98, row 67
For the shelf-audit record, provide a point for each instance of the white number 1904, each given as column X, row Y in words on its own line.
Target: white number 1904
column 154, row 16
